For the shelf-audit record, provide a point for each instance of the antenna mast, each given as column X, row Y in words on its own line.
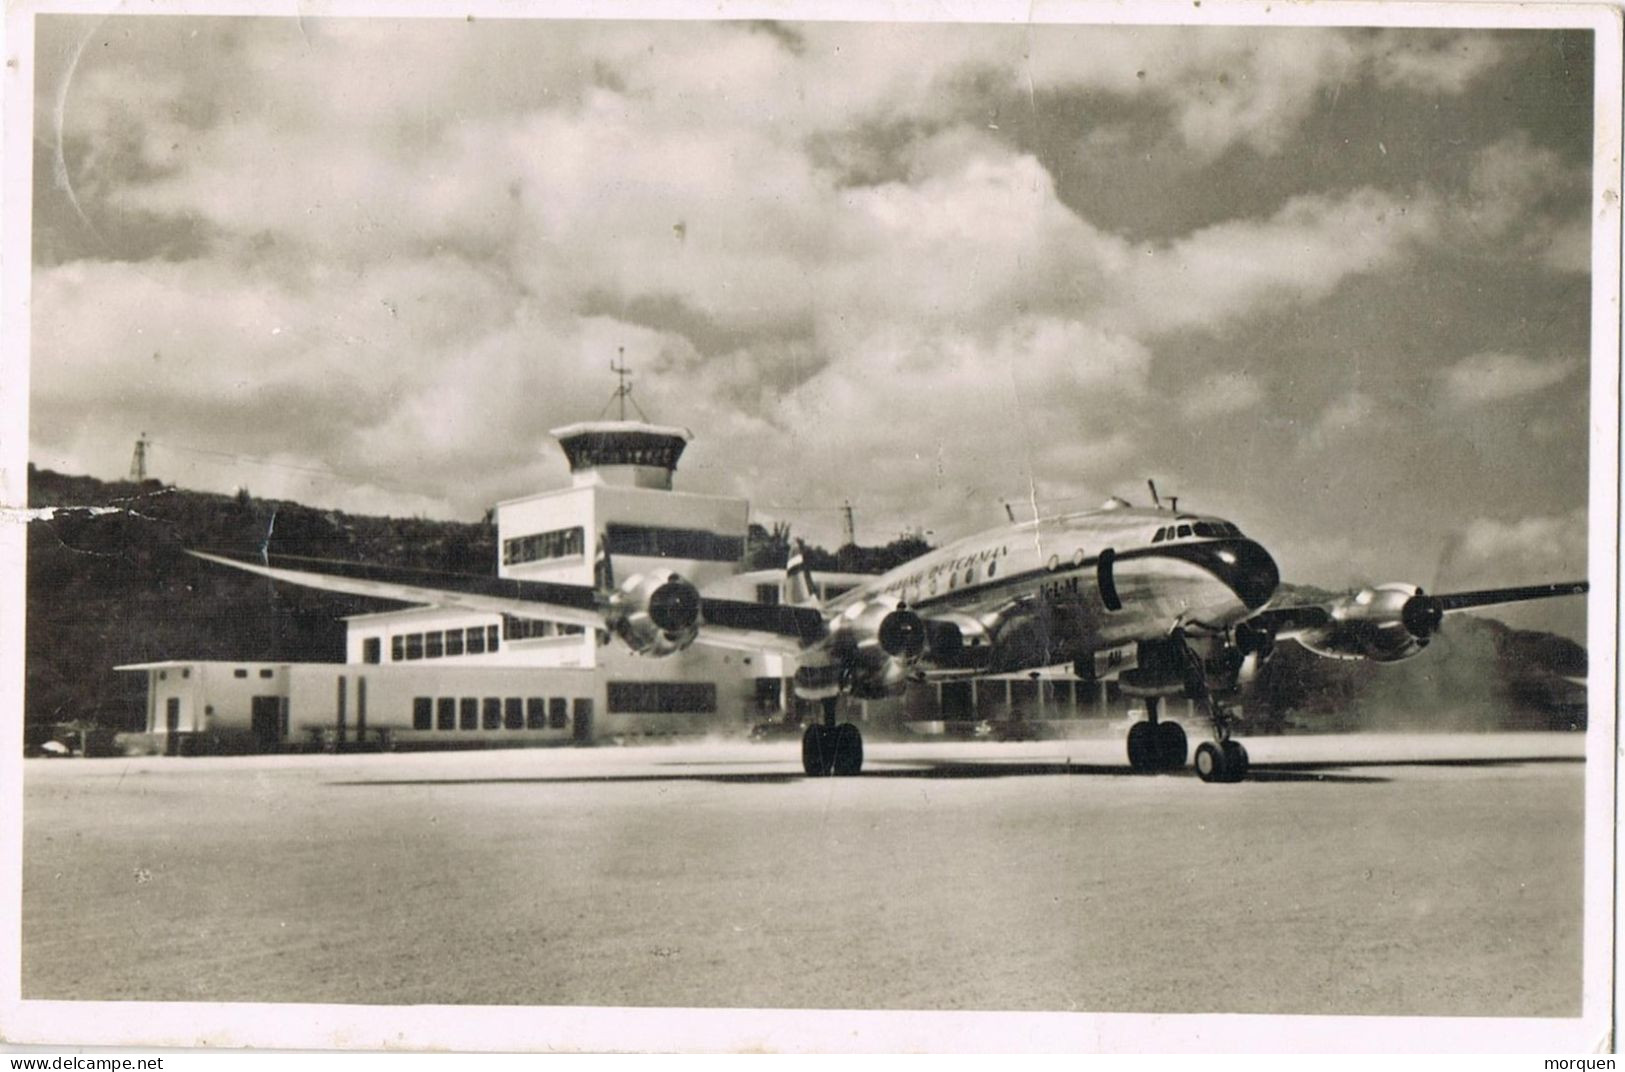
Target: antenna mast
column 623, row 392
column 138, row 462
column 851, row 527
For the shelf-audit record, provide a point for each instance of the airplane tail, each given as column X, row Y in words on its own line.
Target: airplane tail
column 799, row 590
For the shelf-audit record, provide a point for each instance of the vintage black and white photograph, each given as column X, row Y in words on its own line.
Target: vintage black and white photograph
column 553, row 529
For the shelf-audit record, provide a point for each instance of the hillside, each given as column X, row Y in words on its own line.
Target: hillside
column 109, row 583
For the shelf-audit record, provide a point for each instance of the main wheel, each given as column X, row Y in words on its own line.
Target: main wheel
column 847, row 758
column 818, row 751
column 1210, row 765
column 1171, row 745
column 1142, row 746
column 1235, row 761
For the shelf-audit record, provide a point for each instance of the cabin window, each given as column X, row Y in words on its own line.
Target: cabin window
column 970, row 575
column 492, row 715
column 265, row 673
column 445, row 715
column 239, row 673
column 468, row 714
column 513, row 713
column 558, row 712
column 536, row 713
column 422, row 708
column 992, row 568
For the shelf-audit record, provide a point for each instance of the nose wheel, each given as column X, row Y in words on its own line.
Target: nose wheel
column 1221, row 761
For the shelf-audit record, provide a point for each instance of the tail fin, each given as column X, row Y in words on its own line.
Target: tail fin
column 799, row 590
column 603, row 571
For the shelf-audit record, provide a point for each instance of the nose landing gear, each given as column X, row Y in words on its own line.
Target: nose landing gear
column 1222, row 761
column 1154, row 745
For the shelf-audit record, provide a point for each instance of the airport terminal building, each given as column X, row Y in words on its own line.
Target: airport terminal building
column 430, row 677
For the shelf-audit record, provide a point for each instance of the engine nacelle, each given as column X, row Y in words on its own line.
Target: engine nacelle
column 655, row 614
column 1383, row 624
column 877, row 643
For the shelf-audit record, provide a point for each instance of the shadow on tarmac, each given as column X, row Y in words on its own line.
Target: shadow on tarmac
column 1324, row 772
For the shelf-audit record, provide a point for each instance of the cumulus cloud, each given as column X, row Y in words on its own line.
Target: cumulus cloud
column 1439, row 61
column 1342, row 415
column 417, row 244
column 1301, row 253
column 1222, row 394
column 1494, row 377
column 1543, row 547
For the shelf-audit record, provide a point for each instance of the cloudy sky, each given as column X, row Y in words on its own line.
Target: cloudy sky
column 1331, row 284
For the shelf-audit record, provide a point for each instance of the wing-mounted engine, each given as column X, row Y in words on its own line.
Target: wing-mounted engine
column 655, row 614
column 958, row 642
column 1384, row 624
column 877, row 642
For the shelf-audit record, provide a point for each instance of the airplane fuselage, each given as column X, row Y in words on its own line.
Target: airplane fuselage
column 1059, row 589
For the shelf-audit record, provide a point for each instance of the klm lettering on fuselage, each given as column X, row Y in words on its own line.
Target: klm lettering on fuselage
column 924, row 577
column 1057, row 591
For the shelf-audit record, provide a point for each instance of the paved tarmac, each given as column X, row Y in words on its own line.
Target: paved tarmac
column 1427, row 875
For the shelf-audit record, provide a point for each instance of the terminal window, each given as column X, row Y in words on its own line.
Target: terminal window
column 662, row 697
column 445, row 716
column 492, row 719
column 468, row 714
column 513, row 713
column 422, row 706
column 540, row 546
column 372, row 650
column 697, row 545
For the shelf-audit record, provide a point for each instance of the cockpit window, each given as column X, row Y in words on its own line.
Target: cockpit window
column 1161, row 535
column 1184, row 530
column 1209, row 530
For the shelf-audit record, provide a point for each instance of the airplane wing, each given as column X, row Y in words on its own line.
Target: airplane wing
column 725, row 623
column 1416, row 609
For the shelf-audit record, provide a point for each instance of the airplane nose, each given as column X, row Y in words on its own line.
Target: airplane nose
column 1253, row 576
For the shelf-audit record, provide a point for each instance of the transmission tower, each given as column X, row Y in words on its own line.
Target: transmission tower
column 138, row 462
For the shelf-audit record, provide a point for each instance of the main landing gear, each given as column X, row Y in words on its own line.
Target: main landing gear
column 1155, row 745
column 830, row 749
